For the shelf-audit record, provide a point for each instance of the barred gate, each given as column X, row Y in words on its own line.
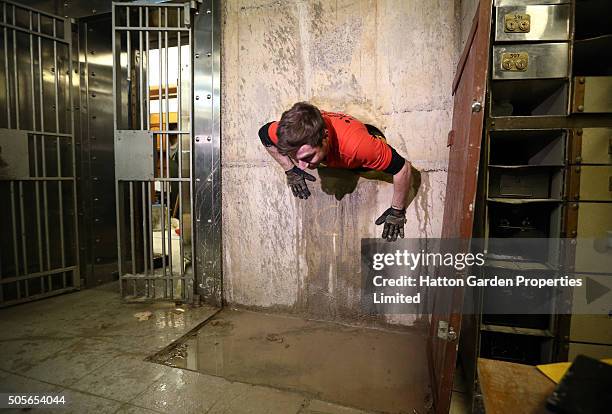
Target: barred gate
column 38, row 247
column 152, row 86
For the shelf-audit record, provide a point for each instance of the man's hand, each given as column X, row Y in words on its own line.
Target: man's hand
column 394, row 220
column 296, row 179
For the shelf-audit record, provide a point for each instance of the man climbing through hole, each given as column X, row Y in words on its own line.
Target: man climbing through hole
column 307, row 138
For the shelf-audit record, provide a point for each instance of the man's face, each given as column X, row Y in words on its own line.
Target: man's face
column 308, row 156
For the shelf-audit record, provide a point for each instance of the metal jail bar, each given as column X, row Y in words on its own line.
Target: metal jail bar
column 37, row 176
column 153, row 187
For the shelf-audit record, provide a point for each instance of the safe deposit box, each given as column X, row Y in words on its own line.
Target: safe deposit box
column 546, row 169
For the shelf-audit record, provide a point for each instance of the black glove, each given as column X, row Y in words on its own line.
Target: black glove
column 394, row 220
column 296, row 179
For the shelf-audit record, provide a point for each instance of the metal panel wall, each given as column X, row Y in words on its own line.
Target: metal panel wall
column 38, row 255
column 207, row 131
column 95, row 152
column 207, row 127
column 153, row 215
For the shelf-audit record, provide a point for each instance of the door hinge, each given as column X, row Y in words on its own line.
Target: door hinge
column 446, row 332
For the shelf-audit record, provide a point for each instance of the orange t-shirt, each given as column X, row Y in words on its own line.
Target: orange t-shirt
column 351, row 145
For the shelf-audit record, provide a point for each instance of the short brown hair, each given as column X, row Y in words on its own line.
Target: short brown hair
column 300, row 125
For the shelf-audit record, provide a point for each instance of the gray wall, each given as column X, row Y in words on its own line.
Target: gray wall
column 468, row 10
column 389, row 63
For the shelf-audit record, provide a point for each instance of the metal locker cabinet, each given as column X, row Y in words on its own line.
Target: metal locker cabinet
column 532, row 23
column 591, row 146
column 592, row 94
column 591, row 350
column 591, row 328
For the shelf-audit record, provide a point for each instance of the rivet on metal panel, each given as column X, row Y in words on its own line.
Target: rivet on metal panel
column 197, row 55
column 198, row 220
column 208, row 11
column 209, row 54
column 93, row 52
column 208, row 96
column 580, row 108
column 94, row 157
column 93, row 95
column 197, row 180
column 209, row 138
column 580, row 80
column 93, row 74
column 197, row 139
column 209, row 179
column 209, row 220
column 197, row 97
column 579, row 131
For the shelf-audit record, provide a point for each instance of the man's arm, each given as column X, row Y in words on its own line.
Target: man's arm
column 267, row 142
column 394, row 217
column 401, row 186
column 296, row 178
column 283, row 160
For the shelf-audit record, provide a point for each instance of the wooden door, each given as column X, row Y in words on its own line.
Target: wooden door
column 465, row 138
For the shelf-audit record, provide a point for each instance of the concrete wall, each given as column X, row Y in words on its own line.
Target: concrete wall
column 468, row 10
column 389, row 63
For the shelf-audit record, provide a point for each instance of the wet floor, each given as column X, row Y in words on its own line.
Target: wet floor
column 369, row 369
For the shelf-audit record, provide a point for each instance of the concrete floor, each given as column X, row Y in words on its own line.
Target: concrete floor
column 370, row 369
column 90, row 347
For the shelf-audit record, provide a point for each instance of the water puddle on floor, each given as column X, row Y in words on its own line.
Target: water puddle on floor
column 369, row 369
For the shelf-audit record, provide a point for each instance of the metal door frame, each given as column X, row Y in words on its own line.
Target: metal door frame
column 458, row 217
column 53, row 277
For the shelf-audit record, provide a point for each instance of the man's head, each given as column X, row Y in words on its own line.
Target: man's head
column 302, row 135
